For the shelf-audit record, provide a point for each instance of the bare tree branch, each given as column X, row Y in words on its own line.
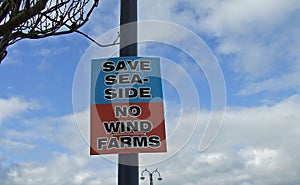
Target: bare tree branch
column 22, row 17
column 35, row 19
column 115, row 42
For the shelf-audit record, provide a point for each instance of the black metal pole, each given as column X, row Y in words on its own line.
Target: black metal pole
column 128, row 32
column 151, row 178
column 128, row 167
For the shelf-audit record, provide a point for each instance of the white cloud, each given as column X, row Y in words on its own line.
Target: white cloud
column 73, row 132
column 284, row 82
column 12, row 146
column 14, row 106
column 62, row 169
column 260, row 35
column 239, row 16
column 67, row 163
column 43, row 66
column 13, row 57
column 105, row 17
column 254, row 144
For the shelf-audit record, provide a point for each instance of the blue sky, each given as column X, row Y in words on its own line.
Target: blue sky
column 44, row 87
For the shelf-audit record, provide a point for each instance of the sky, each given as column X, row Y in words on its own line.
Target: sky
column 230, row 71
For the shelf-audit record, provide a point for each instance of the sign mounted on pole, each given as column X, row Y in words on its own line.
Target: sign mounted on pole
column 127, row 114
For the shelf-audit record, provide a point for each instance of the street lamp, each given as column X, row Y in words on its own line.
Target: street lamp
column 151, row 175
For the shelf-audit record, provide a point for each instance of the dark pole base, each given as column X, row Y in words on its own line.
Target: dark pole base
column 128, row 172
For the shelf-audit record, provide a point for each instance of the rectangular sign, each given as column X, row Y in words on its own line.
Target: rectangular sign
column 127, row 114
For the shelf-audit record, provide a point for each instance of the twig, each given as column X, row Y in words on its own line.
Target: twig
column 115, row 42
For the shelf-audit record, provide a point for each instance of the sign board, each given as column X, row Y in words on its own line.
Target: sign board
column 127, row 114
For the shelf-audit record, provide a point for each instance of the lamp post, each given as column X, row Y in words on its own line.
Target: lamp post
column 128, row 167
column 151, row 175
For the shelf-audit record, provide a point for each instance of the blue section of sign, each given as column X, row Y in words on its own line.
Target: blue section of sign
column 126, row 79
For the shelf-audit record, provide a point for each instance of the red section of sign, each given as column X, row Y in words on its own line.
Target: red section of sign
column 135, row 132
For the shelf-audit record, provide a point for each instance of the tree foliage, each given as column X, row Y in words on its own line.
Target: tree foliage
column 35, row 19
